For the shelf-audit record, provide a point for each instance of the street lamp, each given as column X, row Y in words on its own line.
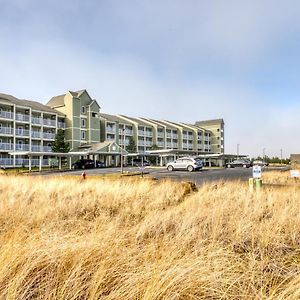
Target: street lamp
column 281, row 156
column 237, row 150
column 264, row 151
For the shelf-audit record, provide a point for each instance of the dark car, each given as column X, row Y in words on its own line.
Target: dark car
column 87, row 164
column 137, row 162
column 239, row 163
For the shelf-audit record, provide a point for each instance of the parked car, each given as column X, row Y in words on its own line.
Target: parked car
column 137, row 162
column 260, row 163
column 239, row 163
column 185, row 163
column 87, row 164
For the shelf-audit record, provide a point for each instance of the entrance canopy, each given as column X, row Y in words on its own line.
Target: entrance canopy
column 106, row 148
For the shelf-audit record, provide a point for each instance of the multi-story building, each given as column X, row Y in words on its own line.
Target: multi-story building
column 28, row 128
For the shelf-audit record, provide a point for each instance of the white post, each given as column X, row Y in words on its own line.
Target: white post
column 41, row 161
column 29, row 163
column 70, row 162
column 59, row 162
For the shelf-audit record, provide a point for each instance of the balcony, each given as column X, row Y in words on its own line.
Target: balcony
column 175, row 136
column 160, row 134
column 47, row 149
column 35, row 120
column 169, row 145
column 6, row 161
column 22, row 147
column 184, row 136
column 141, row 143
column 22, row 132
column 175, row 145
column 122, row 142
column 48, row 136
column 149, row 133
column 49, row 122
column 61, row 125
column 160, row 144
column 149, row 143
column 6, row 146
column 169, row 135
column 6, row 115
column 36, row 148
column 190, row 137
column 22, row 117
column 36, row 134
column 128, row 132
column 141, row 132
column 111, row 130
column 6, row 131
column 22, row 161
column 184, row 145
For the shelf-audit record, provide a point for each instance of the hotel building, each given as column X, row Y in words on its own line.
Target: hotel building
column 28, row 128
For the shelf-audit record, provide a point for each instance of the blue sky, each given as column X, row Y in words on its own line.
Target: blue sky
column 177, row 60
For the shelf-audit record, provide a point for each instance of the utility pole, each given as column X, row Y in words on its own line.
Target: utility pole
column 281, row 156
column 264, row 153
column 237, row 150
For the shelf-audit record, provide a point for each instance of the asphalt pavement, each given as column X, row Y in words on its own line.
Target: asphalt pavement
column 197, row 177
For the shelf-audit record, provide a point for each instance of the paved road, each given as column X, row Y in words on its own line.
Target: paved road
column 198, row 177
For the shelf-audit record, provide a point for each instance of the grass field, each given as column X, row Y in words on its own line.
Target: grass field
column 62, row 238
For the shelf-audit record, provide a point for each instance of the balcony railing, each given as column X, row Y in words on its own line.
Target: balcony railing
column 169, row 145
column 6, row 130
column 22, row 117
column 169, row 135
column 6, row 114
column 49, row 122
column 184, row 136
column 184, row 145
column 36, row 148
column 141, row 143
column 175, row 136
column 35, row 120
column 36, row 134
column 175, row 145
column 22, row 132
column 61, row 125
column 22, row 147
column 22, row 161
column 149, row 133
column 111, row 130
column 149, row 143
column 128, row 132
column 48, row 136
column 190, row 137
column 6, row 161
column 6, row 146
column 160, row 134
column 47, row 149
column 141, row 132
column 160, row 144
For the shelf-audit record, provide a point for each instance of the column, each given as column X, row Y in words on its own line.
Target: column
column 41, row 163
column 29, row 163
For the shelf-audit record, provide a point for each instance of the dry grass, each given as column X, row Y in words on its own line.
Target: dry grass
column 141, row 239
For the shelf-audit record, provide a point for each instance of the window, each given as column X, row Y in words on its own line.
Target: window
column 94, row 115
column 83, row 123
column 83, row 135
column 83, row 110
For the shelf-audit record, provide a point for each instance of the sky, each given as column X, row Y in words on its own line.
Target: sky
column 167, row 59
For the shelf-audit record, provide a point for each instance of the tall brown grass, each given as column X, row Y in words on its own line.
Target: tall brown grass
column 141, row 239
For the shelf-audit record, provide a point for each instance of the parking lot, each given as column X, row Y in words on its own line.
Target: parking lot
column 198, row 177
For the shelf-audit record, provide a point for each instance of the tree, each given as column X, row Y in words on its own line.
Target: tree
column 59, row 145
column 131, row 148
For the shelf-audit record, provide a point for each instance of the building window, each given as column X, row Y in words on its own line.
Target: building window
column 83, row 135
column 94, row 115
column 83, row 123
column 83, row 110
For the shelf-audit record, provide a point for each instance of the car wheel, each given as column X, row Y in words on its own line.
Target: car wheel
column 190, row 168
column 170, row 168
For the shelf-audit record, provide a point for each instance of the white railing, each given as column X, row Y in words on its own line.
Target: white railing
column 35, row 120
column 36, row 134
column 6, row 146
column 22, row 132
column 184, row 136
column 184, row 145
column 169, row 135
column 111, row 129
column 6, row 130
column 49, row 122
column 6, row 114
column 61, row 125
column 48, row 136
column 47, row 149
column 175, row 145
column 6, row 161
column 22, row 161
column 149, row 143
column 36, row 148
column 22, row 147
column 175, row 136
column 149, row 133
column 160, row 134
column 141, row 143
column 169, row 145
column 22, row 117
column 141, row 132
column 190, row 137
column 160, row 144
column 126, row 142
column 128, row 132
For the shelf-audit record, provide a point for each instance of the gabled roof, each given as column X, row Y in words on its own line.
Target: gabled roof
column 114, row 118
column 210, row 122
column 103, row 147
column 29, row 103
column 135, row 120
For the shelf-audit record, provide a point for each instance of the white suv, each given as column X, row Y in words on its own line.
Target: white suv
column 185, row 163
